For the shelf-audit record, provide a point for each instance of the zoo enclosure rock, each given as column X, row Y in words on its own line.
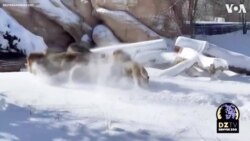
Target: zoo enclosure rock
column 162, row 17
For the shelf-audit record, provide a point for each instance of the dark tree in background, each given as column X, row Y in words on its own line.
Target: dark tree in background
column 192, row 15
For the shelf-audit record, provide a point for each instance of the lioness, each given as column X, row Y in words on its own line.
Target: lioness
column 55, row 63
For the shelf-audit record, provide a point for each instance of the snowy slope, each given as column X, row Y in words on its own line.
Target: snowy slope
column 232, row 41
column 172, row 109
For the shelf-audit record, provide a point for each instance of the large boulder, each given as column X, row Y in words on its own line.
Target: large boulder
column 165, row 17
column 56, row 38
column 61, row 22
column 84, row 9
column 15, row 39
column 58, row 12
column 126, row 27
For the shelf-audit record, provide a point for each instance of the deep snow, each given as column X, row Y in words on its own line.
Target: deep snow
column 174, row 108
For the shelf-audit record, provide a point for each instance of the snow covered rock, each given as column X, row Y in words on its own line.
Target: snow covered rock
column 58, row 12
column 142, row 20
column 165, row 17
column 15, row 38
column 86, row 39
column 53, row 34
column 83, row 8
column 103, row 36
column 126, row 27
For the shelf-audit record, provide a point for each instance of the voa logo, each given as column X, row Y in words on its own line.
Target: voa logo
column 236, row 8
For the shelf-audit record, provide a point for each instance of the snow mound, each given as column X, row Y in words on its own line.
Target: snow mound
column 15, row 38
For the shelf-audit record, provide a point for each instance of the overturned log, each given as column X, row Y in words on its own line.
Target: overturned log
column 237, row 62
column 147, row 52
column 239, row 70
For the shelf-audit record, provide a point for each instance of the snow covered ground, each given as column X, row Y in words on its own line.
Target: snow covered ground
column 173, row 109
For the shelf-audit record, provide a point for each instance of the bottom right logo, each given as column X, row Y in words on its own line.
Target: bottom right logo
column 228, row 116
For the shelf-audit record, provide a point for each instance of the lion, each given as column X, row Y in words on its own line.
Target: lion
column 73, row 59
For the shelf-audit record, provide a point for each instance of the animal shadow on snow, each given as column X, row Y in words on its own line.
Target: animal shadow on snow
column 20, row 124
